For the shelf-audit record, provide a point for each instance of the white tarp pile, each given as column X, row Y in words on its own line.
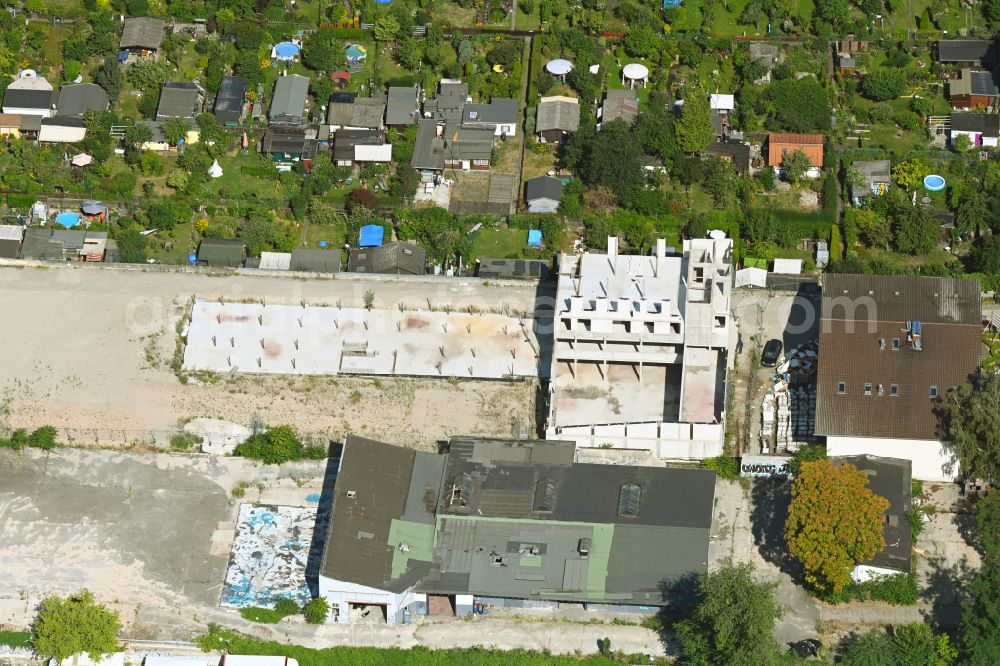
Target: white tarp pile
column 788, row 411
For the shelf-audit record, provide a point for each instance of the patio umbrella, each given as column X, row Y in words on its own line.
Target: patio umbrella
column 93, row 207
column 83, row 159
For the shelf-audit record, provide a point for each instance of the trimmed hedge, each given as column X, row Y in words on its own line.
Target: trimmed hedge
column 21, row 200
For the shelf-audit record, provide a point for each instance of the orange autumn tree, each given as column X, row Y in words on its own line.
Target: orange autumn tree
column 834, row 523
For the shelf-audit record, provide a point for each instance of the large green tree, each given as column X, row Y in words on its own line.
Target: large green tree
column 973, row 425
column 909, row 645
column 610, row 158
column 73, row 625
column 733, row 623
column 796, row 164
column 834, row 522
column 884, row 84
column 980, row 628
column 799, row 105
column 694, row 126
column 914, row 231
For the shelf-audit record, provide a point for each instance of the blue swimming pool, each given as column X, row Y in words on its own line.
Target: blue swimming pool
column 934, row 183
column 287, row 50
column 68, row 220
column 356, row 52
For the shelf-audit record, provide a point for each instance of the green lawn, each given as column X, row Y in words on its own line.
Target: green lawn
column 15, row 638
column 613, row 73
column 182, row 239
column 499, row 244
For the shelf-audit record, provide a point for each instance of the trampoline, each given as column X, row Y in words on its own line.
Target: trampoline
column 356, row 53
column 68, row 220
column 934, row 183
column 286, row 51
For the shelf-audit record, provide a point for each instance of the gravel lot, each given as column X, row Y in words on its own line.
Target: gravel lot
column 89, row 350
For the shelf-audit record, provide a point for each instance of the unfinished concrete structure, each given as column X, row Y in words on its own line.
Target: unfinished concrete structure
column 640, row 347
column 325, row 340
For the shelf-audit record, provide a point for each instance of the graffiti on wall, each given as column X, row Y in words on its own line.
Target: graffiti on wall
column 269, row 556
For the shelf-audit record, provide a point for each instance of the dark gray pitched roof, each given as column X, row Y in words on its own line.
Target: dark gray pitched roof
column 620, row 104
column 345, row 140
column 982, row 84
column 368, row 112
column 28, row 99
column 229, row 99
column 555, row 113
column 543, row 187
column 142, row 32
column 859, row 312
column 499, row 111
column 395, row 258
column 968, row 121
column 78, row 98
column 428, row 148
column 735, row 151
column 966, row 50
column 179, row 100
column 220, row 252
column 402, row 106
column 289, row 101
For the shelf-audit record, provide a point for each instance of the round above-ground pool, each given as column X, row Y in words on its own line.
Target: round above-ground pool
column 68, row 219
column 934, row 183
column 286, row 51
column 356, row 52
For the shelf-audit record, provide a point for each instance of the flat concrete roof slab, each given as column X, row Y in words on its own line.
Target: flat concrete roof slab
column 287, row 339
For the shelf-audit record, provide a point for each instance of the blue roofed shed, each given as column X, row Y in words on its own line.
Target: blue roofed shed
column 371, row 235
column 534, row 238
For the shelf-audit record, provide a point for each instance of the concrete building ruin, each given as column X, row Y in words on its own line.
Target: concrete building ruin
column 640, row 349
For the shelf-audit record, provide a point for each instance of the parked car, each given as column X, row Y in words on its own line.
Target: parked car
column 772, row 351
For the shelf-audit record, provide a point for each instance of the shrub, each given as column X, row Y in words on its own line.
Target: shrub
column 316, row 611
column 807, row 453
column 725, row 467
column 404, row 81
column 275, row 446
column 43, row 438
column 835, row 251
column 287, row 607
column 262, row 615
column 314, row 452
column 183, row 441
column 898, row 589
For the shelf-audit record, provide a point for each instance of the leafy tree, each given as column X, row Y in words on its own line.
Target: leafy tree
column 962, row 143
column 910, row 645
column 175, row 129
column 655, row 131
column 835, row 13
column 324, row 51
column 76, row 624
column 884, row 84
column 317, row 610
column 148, row 73
column 642, row 41
column 796, row 164
column 834, row 522
column 733, row 622
column 109, row 76
column 980, row 627
column 973, row 425
column 611, row 158
column 438, row 231
column 386, row 28
column 800, row 105
column 873, row 226
column 909, row 174
column 694, row 126
column 408, row 54
column 250, row 36
column 914, row 231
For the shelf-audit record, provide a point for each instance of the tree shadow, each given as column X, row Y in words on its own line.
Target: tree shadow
column 944, row 589
column 966, row 524
column 771, row 498
column 323, row 510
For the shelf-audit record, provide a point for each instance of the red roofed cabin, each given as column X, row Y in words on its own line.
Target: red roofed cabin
column 780, row 145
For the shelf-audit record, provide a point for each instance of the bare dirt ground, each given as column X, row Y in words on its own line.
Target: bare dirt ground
column 89, row 351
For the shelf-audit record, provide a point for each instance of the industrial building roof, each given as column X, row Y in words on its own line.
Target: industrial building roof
column 516, row 519
column 889, row 478
column 78, row 98
column 876, row 378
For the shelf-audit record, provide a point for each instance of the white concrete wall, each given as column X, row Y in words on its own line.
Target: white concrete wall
column 988, row 141
column 341, row 594
column 668, row 441
column 932, row 460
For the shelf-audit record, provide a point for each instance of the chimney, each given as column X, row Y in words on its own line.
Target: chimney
column 613, row 252
column 661, row 254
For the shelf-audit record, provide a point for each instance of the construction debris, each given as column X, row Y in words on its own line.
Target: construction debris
column 788, row 411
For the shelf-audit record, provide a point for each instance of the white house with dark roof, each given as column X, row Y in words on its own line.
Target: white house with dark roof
column 30, row 95
column 500, row 115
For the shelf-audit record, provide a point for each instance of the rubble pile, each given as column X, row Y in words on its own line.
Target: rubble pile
column 788, row 412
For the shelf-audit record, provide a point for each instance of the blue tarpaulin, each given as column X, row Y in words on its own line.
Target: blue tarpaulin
column 371, row 235
column 122, row 55
column 534, row 238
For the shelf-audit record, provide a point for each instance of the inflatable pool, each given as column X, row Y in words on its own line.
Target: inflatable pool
column 934, row 183
column 286, row 51
column 356, row 52
column 68, row 220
